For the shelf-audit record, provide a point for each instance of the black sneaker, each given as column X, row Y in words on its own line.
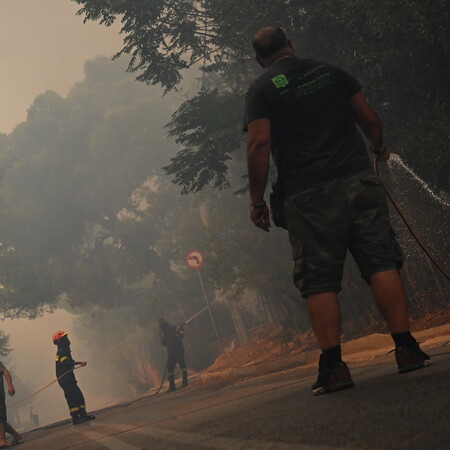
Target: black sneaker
column 411, row 358
column 172, row 388
column 331, row 380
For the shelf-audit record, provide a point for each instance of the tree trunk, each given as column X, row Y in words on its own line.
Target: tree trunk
column 238, row 321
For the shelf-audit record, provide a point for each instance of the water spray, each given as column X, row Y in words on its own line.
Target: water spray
column 395, row 159
column 413, row 233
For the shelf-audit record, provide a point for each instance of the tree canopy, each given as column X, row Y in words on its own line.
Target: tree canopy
column 396, row 50
column 88, row 218
column 67, row 172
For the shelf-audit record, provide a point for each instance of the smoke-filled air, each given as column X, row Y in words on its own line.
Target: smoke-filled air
column 125, row 192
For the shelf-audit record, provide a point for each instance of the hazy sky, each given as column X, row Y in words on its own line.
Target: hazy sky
column 43, row 45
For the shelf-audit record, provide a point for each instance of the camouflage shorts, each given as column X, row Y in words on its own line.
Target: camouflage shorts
column 332, row 216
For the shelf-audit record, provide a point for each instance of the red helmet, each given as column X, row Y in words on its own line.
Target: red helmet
column 58, row 336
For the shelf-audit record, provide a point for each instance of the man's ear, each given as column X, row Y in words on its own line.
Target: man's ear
column 290, row 45
column 260, row 62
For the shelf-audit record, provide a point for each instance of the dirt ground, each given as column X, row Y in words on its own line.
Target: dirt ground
column 432, row 320
column 272, row 342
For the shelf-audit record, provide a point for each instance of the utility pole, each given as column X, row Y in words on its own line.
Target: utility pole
column 194, row 260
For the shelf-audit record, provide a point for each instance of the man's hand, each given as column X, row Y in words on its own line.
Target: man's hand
column 83, row 363
column 260, row 217
column 11, row 390
column 382, row 154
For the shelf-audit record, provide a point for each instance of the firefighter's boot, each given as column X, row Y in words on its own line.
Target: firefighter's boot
column 171, row 383
column 184, row 383
column 83, row 416
column 75, row 418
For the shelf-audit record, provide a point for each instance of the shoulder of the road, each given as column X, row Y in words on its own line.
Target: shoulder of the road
column 361, row 350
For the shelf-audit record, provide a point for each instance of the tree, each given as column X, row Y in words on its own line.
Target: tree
column 5, row 350
column 67, row 172
column 207, row 138
column 396, row 49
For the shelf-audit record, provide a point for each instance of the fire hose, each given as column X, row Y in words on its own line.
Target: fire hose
column 43, row 388
column 75, row 368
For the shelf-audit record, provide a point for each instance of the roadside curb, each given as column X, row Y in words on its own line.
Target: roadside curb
column 366, row 348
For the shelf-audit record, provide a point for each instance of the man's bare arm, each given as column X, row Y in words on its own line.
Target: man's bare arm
column 8, row 378
column 258, row 158
column 258, row 161
column 370, row 124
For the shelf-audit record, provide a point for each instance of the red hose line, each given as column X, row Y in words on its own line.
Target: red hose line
column 413, row 233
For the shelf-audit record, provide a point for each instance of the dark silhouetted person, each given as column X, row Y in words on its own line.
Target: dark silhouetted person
column 171, row 337
column 66, row 378
column 5, row 427
column 334, row 201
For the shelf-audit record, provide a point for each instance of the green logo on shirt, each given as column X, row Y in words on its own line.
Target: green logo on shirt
column 280, row 81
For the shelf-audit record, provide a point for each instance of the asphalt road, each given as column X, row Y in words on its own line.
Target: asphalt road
column 384, row 411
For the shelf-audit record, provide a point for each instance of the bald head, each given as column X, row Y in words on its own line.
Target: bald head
column 270, row 42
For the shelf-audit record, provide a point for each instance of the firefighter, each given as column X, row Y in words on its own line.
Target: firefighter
column 66, row 379
column 171, row 337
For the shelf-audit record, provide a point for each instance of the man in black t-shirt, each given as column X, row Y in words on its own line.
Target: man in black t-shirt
column 306, row 113
column 323, row 142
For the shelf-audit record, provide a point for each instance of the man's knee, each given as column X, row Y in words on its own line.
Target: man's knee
column 388, row 275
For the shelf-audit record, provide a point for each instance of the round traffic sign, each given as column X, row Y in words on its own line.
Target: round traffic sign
column 194, row 259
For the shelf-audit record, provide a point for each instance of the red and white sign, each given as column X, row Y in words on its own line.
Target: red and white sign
column 194, row 259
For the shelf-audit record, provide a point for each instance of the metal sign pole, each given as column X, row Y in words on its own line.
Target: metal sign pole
column 208, row 305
